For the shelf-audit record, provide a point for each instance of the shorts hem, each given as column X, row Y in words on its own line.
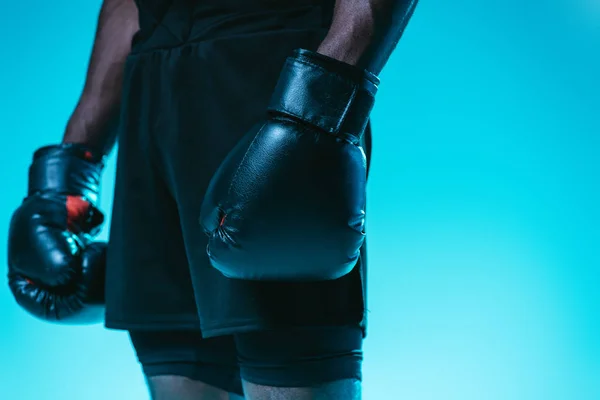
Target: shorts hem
column 209, row 331
column 212, row 330
column 153, row 325
column 215, row 331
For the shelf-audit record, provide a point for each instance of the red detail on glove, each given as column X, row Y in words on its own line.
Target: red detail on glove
column 77, row 211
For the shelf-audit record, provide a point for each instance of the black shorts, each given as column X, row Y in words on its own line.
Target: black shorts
column 281, row 358
column 195, row 82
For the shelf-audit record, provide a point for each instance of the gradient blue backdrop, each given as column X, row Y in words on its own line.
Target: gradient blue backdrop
column 483, row 214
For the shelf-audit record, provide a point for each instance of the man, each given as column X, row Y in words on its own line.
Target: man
column 219, row 116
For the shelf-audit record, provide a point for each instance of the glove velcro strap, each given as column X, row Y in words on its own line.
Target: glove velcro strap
column 326, row 93
column 68, row 169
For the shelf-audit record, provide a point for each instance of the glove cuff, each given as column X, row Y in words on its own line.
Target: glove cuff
column 69, row 169
column 326, row 93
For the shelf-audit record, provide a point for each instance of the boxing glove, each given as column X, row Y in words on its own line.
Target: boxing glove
column 288, row 202
column 55, row 270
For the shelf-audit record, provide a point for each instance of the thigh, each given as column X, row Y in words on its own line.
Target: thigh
column 183, row 365
column 181, row 388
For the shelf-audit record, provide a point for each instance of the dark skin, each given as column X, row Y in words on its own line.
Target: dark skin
column 99, row 103
column 363, row 33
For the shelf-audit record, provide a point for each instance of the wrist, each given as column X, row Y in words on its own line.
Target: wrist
column 347, row 45
column 76, row 132
column 96, row 132
column 78, row 129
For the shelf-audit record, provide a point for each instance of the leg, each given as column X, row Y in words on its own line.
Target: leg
column 347, row 389
column 301, row 364
column 172, row 387
column 184, row 366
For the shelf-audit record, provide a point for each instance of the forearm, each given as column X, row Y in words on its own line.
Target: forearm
column 365, row 32
column 97, row 110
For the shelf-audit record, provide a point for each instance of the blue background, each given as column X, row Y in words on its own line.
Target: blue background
column 483, row 214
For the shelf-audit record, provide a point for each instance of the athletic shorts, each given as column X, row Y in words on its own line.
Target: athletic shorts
column 197, row 79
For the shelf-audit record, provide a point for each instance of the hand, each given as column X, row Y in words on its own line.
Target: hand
column 288, row 203
column 56, row 272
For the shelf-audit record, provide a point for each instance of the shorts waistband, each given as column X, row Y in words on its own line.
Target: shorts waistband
column 181, row 23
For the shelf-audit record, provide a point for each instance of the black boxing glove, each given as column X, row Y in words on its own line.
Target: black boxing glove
column 288, row 202
column 55, row 270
